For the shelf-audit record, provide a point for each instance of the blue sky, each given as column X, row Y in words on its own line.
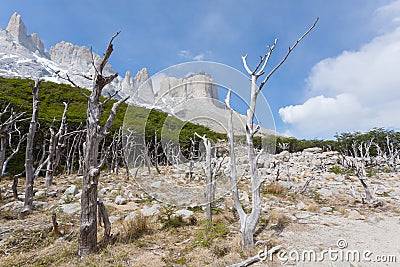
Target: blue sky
column 332, row 82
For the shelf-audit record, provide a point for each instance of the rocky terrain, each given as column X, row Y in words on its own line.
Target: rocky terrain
column 306, row 206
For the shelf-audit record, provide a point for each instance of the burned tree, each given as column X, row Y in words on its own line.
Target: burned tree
column 248, row 222
column 8, row 129
column 55, row 144
column 211, row 169
column 29, row 170
column 91, row 163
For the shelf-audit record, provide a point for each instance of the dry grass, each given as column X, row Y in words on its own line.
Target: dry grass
column 134, row 229
column 276, row 188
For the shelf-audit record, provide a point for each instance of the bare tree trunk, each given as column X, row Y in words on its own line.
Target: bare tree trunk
column 54, row 147
column 91, row 165
column 248, row 222
column 21, row 139
column 29, row 171
column 6, row 131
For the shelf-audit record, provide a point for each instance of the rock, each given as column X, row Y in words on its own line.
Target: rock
column 120, row 200
column 40, row 193
column 103, row 191
column 339, row 178
column 301, row 206
column 143, row 87
column 284, row 156
column 113, row 218
column 150, row 211
column 156, row 184
column 71, row 208
column 325, row 192
column 40, row 204
column 355, row 215
column 326, row 209
column 71, row 191
column 374, row 219
column 184, row 213
column 131, row 216
column 15, row 206
column 17, row 29
column 302, row 215
column 313, row 150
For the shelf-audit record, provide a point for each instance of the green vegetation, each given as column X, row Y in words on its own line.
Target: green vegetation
column 206, row 234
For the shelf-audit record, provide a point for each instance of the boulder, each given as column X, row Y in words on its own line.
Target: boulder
column 184, row 213
column 120, row 200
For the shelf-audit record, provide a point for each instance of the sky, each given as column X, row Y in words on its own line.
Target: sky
column 342, row 77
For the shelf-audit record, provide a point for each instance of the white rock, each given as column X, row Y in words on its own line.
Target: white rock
column 71, row 208
column 150, row 211
column 326, row 209
column 301, row 206
column 184, row 213
column 313, row 150
column 156, row 184
column 71, row 191
column 355, row 215
column 131, row 216
column 325, row 192
column 120, row 200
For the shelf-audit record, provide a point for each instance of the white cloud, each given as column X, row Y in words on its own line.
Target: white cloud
column 187, row 54
column 357, row 90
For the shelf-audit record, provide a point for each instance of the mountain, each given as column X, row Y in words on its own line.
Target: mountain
column 193, row 98
column 23, row 55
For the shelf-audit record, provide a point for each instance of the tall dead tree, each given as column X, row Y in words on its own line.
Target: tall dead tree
column 248, row 222
column 211, row 169
column 55, row 144
column 29, row 170
column 91, row 163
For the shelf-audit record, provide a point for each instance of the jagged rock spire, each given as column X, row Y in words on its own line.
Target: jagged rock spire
column 17, row 29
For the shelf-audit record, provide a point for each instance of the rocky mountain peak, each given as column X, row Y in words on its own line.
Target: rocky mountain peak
column 16, row 26
column 17, row 30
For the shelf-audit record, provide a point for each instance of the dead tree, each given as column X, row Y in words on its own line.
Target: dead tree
column 8, row 128
column 360, row 156
column 211, row 169
column 14, row 150
column 29, row 170
column 91, row 164
column 55, row 145
column 248, row 222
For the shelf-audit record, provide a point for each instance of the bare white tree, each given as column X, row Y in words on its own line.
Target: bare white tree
column 211, row 167
column 8, row 128
column 91, row 163
column 248, row 222
column 360, row 157
column 55, row 144
column 29, row 169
